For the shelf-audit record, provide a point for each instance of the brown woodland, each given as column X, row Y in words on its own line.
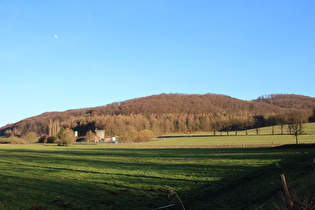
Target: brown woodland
column 170, row 113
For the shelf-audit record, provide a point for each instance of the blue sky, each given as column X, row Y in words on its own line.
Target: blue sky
column 57, row 55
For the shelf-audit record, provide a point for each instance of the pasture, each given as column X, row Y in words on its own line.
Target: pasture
column 309, row 129
column 230, row 141
column 144, row 175
column 264, row 139
column 117, row 177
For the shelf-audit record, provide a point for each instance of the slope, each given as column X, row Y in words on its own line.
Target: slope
column 161, row 107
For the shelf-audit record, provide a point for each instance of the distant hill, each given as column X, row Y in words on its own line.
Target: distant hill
column 288, row 101
column 184, row 103
column 164, row 113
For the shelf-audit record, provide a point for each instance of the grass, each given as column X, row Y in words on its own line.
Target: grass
column 116, row 177
column 241, row 140
column 308, row 127
column 146, row 175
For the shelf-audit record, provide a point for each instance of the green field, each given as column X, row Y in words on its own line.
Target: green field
column 141, row 175
column 309, row 129
column 264, row 138
column 114, row 177
column 232, row 141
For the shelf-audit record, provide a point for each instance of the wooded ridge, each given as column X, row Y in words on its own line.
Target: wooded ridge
column 169, row 113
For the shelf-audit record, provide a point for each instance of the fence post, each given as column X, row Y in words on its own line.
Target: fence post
column 286, row 189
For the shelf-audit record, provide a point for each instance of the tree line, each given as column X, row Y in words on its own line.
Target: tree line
column 143, row 118
column 139, row 127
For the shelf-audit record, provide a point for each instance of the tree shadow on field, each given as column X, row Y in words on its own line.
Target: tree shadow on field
column 99, row 188
column 175, row 153
column 136, row 169
column 254, row 188
column 107, row 172
column 30, row 193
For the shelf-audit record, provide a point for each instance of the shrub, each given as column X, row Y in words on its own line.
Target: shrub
column 51, row 139
column 145, row 135
column 66, row 137
column 12, row 140
column 42, row 139
column 30, row 137
column 90, row 136
column 129, row 134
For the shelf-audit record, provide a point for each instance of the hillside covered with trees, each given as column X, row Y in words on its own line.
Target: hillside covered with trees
column 170, row 113
column 288, row 101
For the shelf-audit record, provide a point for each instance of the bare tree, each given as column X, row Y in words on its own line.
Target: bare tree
column 296, row 120
column 296, row 129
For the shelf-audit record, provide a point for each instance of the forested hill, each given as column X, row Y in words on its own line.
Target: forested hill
column 184, row 103
column 166, row 113
column 288, row 101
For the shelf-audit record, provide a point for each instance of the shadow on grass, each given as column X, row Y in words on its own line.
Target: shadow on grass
column 131, row 178
column 139, row 153
column 258, row 189
column 28, row 193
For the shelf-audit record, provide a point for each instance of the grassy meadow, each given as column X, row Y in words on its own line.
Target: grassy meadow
column 143, row 175
column 102, row 177
column 232, row 140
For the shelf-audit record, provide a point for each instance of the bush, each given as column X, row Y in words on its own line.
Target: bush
column 90, row 136
column 51, row 139
column 129, row 134
column 66, row 137
column 145, row 135
column 30, row 137
column 42, row 139
column 12, row 140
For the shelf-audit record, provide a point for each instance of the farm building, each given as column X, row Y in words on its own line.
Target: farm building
column 100, row 134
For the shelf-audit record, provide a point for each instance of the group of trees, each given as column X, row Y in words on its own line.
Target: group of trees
column 138, row 127
column 162, row 104
column 144, row 118
column 65, row 137
column 60, row 135
column 290, row 101
column 129, row 125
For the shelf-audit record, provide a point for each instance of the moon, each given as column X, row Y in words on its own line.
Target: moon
column 56, row 36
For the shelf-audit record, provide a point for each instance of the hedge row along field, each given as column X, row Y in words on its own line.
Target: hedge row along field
column 38, row 176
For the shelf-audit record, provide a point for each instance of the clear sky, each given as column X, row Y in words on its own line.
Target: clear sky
column 57, row 55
